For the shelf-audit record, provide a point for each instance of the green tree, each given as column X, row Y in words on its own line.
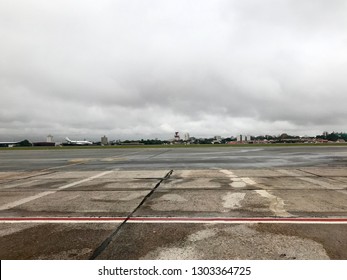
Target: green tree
column 333, row 136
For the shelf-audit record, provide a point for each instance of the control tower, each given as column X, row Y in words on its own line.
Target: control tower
column 177, row 136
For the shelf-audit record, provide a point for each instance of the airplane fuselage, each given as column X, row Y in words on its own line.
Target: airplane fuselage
column 78, row 142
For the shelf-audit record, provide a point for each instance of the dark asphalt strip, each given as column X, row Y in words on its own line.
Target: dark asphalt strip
column 108, row 240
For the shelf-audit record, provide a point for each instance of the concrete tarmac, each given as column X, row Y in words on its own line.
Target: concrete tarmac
column 174, row 203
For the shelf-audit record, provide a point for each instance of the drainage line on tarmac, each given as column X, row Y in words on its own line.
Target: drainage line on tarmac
column 108, row 240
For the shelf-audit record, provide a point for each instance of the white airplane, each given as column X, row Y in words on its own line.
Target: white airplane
column 78, row 142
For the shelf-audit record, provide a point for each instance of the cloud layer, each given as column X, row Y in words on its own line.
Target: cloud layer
column 138, row 69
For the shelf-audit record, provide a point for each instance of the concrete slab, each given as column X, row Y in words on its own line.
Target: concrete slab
column 137, row 174
column 8, row 229
column 118, row 184
column 314, row 203
column 297, row 183
column 81, row 203
column 34, row 184
column 209, row 241
column 341, row 179
column 23, row 175
column 6, row 175
column 233, row 203
column 295, row 172
column 327, row 171
column 198, row 173
column 8, row 197
column 196, row 183
column 69, row 175
column 206, row 179
column 263, row 172
column 326, row 182
column 51, row 241
column 211, row 183
column 115, row 174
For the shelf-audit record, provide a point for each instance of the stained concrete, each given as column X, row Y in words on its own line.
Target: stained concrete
column 274, row 182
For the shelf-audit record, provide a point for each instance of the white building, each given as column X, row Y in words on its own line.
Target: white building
column 243, row 138
column 104, row 140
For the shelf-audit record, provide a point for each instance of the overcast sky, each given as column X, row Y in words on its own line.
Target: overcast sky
column 147, row 68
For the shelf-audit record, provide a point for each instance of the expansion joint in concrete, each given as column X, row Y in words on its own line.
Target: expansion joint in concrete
column 108, row 240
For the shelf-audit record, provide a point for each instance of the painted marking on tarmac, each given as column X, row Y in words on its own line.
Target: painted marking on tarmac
column 114, row 159
column 248, row 181
column 276, row 203
column 19, row 184
column 31, row 198
column 85, row 180
column 250, row 150
column 228, row 173
column 79, row 160
column 187, row 220
column 237, row 182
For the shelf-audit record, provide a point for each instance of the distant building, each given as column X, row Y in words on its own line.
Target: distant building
column 243, row 138
column 177, row 136
column 186, row 137
column 104, row 140
column 44, row 144
column 49, row 142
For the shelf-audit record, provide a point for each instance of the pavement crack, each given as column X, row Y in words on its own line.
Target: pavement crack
column 311, row 173
column 101, row 248
column 167, row 176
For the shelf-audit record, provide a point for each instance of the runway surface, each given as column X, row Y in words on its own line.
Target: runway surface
column 174, row 203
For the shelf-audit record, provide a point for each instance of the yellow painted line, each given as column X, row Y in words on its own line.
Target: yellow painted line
column 79, row 160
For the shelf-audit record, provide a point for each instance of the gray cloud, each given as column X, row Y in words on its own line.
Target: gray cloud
column 149, row 68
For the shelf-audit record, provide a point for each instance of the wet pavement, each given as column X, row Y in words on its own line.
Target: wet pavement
column 189, row 203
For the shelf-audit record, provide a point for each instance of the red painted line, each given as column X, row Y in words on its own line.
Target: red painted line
column 63, row 219
column 235, row 219
column 171, row 219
